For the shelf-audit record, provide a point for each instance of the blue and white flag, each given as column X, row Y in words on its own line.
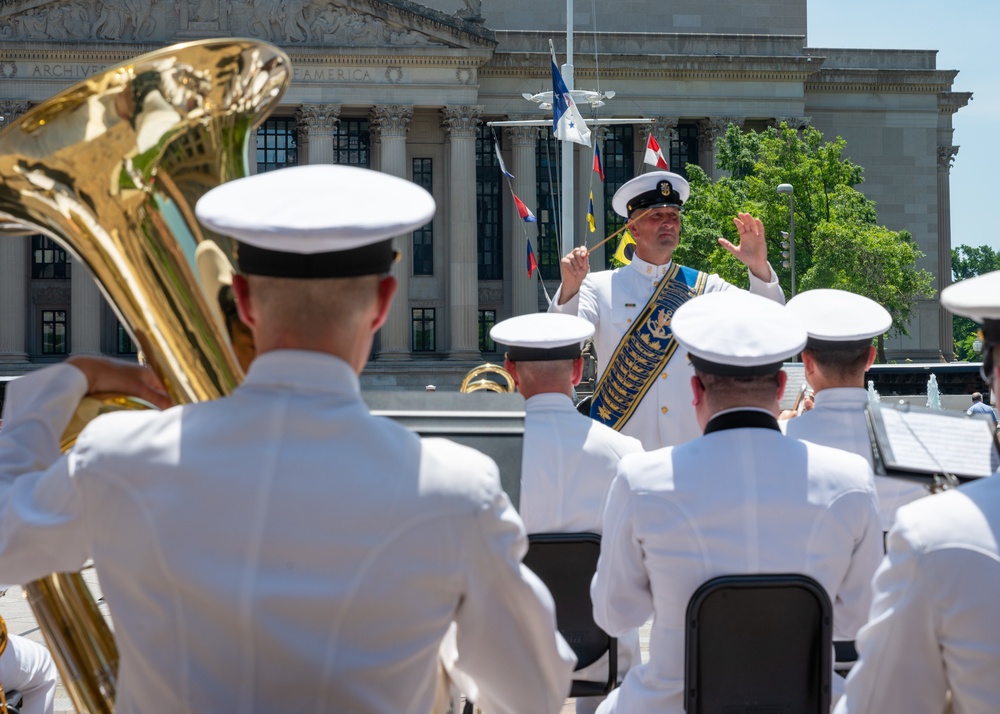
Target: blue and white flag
column 567, row 122
column 503, row 169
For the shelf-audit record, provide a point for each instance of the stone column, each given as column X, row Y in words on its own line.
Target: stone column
column 13, row 275
column 317, row 123
column 84, row 311
column 710, row 130
column 460, row 124
column 946, row 157
column 391, row 123
column 523, row 141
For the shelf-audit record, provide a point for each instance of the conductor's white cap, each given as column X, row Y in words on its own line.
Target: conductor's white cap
column 977, row 298
column 736, row 333
column 837, row 319
column 316, row 221
column 657, row 189
column 542, row 336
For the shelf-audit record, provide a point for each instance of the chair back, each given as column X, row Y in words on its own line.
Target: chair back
column 566, row 563
column 759, row 643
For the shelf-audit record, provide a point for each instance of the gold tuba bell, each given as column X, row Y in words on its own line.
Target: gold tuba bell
column 111, row 169
column 476, row 381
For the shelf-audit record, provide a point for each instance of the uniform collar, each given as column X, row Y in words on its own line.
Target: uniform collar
column 839, row 397
column 550, row 401
column 302, row 371
column 648, row 270
column 742, row 418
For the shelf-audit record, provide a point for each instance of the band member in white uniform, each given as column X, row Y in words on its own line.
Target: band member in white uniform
column 743, row 498
column 569, row 460
column 932, row 642
column 28, row 667
column 642, row 383
column 839, row 351
column 281, row 547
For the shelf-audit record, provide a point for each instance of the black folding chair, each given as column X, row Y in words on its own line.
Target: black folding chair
column 566, row 563
column 758, row 643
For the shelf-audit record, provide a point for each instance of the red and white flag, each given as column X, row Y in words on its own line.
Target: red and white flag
column 654, row 156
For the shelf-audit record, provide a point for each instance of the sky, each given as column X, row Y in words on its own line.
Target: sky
column 964, row 33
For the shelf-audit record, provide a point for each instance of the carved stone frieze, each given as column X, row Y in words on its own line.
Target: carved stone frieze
column 11, row 110
column 283, row 21
column 389, row 120
column 946, row 157
column 50, row 295
column 318, row 119
column 460, row 122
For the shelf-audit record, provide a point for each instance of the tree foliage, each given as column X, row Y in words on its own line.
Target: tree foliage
column 968, row 262
column 838, row 241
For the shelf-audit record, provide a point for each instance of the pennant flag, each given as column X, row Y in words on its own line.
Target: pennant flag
column 654, row 157
column 503, row 168
column 590, row 214
column 567, row 122
column 532, row 262
column 626, row 249
column 598, row 168
column 526, row 215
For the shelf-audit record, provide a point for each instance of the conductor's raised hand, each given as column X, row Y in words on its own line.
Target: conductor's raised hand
column 752, row 249
column 573, row 268
column 105, row 375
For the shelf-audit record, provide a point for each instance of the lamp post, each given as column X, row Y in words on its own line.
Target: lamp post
column 790, row 263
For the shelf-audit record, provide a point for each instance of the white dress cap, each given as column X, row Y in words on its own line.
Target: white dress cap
column 542, row 336
column 733, row 332
column 653, row 190
column 837, row 319
column 977, row 298
column 303, row 221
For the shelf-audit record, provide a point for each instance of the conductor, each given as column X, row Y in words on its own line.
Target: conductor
column 281, row 547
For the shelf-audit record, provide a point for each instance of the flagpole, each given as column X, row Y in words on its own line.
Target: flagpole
column 568, row 185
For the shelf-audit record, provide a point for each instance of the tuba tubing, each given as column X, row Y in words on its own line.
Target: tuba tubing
column 111, row 169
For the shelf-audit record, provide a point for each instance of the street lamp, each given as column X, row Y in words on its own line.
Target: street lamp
column 790, row 263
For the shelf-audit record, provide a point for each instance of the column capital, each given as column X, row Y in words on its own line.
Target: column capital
column 946, row 157
column 460, row 122
column 663, row 127
column 318, row 119
column 11, row 110
column 522, row 135
column 797, row 123
column 715, row 127
column 389, row 120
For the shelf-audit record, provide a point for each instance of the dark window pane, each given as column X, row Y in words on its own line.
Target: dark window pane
column 489, row 223
column 276, row 145
column 619, row 167
column 54, row 332
column 684, row 148
column 548, row 175
column 487, row 319
column 352, row 143
column 49, row 260
column 422, row 320
column 423, row 238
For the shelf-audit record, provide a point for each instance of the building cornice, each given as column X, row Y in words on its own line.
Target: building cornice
column 883, row 81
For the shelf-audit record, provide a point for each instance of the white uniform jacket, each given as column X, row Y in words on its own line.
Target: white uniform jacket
column 568, row 465
column 934, row 626
column 740, row 500
column 611, row 299
column 280, row 548
column 838, row 420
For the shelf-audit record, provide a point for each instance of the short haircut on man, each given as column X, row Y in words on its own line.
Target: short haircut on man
column 840, row 363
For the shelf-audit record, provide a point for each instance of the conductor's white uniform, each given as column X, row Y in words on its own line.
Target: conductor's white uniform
column 611, row 300
column 568, row 465
column 743, row 500
column 934, row 625
column 279, row 548
column 28, row 667
column 838, row 420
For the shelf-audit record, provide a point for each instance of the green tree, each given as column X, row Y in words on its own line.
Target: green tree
column 838, row 241
column 967, row 262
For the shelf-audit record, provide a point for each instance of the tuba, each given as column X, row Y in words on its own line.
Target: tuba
column 111, row 169
column 476, row 381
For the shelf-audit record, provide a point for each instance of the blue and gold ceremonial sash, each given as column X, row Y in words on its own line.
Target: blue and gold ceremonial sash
column 645, row 349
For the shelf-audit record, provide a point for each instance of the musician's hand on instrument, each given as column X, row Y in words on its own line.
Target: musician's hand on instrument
column 752, row 250
column 573, row 269
column 105, row 375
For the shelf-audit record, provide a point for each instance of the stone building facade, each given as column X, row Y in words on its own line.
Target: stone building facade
column 410, row 89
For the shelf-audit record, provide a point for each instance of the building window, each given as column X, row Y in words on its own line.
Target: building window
column 487, row 319
column 54, row 332
column 276, row 145
column 48, row 259
column 619, row 167
column 489, row 219
column 423, row 238
column 548, row 177
column 352, row 143
column 423, row 329
column 684, row 148
column 126, row 346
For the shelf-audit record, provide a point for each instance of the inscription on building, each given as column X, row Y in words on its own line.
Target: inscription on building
column 338, row 74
